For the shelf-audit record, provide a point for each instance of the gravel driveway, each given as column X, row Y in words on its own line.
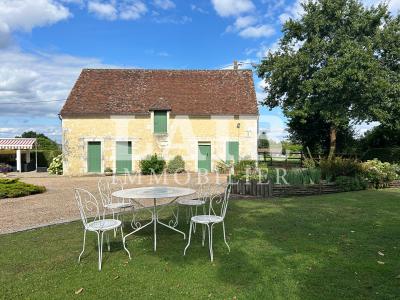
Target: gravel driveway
column 57, row 204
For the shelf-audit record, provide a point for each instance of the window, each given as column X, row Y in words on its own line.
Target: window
column 160, row 122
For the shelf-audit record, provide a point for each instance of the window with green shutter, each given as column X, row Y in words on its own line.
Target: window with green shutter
column 232, row 152
column 160, row 122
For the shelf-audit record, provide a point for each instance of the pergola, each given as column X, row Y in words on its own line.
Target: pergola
column 20, row 144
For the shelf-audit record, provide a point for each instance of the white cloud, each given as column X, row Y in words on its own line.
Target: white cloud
column 293, row 11
column 172, row 20
column 362, row 128
column 132, row 10
column 53, row 132
column 103, row 10
column 198, row 9
column 24, row 15
column 242, row 22
column 226, row 8
column 27, row 77
column 257, row 31
column 164, row 4
column 112, row 10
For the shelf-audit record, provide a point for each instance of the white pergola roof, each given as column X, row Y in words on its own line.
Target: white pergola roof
column 17, row 143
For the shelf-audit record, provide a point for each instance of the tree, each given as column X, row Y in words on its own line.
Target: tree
column 313, row 133
column 380, row 137
column 339, row 61
column 44, row 143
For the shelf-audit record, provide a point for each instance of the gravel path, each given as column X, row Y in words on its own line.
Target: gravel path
column 57, row 204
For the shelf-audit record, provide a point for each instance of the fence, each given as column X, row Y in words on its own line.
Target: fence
column 296, row 159
column 277, row 159
column 268, row 190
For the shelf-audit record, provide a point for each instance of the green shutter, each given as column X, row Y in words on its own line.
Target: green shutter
column 124, row 157
column 94, row 157
column 232, row 152
column 160, row 122
column 204, row 157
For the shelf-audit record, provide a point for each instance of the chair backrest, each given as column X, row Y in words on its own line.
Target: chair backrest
column 88, row 205
column 107, row 187
column 220, row 199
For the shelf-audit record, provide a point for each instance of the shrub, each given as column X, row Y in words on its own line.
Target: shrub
column 12, row 188
column 176, row 165
column 332, row 168
column 152, row 165
column 247, row 164
column 56, row 166
column 297, row 176
column 309, row 163
column 347, row 183
column 378, row 173
column 389, row 154
column 108, row 170
column 293, row 176
column 45, row 157
column 223, row 167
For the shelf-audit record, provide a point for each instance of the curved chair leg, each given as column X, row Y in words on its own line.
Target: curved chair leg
column 108, row 242
column 124, row 243
column 115, row 229
column 83, row 248
column 210, row 241
column 191, row 215
column 226, row 243
column 190, row 237
column 177, row 216
column 203, row 231
column 188, row 215
column 100, row 246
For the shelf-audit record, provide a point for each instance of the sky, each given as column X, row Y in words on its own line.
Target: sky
column 44, row 44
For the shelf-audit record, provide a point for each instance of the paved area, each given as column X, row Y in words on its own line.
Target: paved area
column 57, row 204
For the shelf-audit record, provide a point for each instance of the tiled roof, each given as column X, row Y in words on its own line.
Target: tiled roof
column 136, row 91
column 17, row 143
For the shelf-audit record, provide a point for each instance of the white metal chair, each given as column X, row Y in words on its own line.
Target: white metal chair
column 210, row 219
column 110, row 203
column 89, row 209
column 199, row 200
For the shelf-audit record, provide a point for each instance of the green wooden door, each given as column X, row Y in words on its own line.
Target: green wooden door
column 204, row 160
column 232, row 152
column 94, row 157
column 124, row 157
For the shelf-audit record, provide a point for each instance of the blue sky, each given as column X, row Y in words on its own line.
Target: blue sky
column 45, row 43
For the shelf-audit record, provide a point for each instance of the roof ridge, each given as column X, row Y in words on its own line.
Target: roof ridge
column 165, row 70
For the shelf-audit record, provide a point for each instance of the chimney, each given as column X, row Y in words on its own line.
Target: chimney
column 235, row 65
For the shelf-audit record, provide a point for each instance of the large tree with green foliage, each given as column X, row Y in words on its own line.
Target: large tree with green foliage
column 44, row 142
column 339, row 61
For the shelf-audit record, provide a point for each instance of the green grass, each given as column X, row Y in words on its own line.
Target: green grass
column 13, row 188
column 320, row 247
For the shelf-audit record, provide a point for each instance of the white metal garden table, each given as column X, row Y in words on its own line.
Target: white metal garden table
column 156, row 193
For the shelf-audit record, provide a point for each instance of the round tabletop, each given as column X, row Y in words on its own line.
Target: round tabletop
column 154, row 192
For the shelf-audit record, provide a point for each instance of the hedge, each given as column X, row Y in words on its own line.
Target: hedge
column 13, row 188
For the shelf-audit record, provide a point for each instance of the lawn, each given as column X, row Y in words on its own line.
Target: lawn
column 339, row 246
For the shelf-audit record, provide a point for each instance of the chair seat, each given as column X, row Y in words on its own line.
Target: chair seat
column 191, row 202
column 118, row 205
column 207, row 219
column 103, row 225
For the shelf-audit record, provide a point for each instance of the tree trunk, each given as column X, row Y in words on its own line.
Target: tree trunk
column 332, row 146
